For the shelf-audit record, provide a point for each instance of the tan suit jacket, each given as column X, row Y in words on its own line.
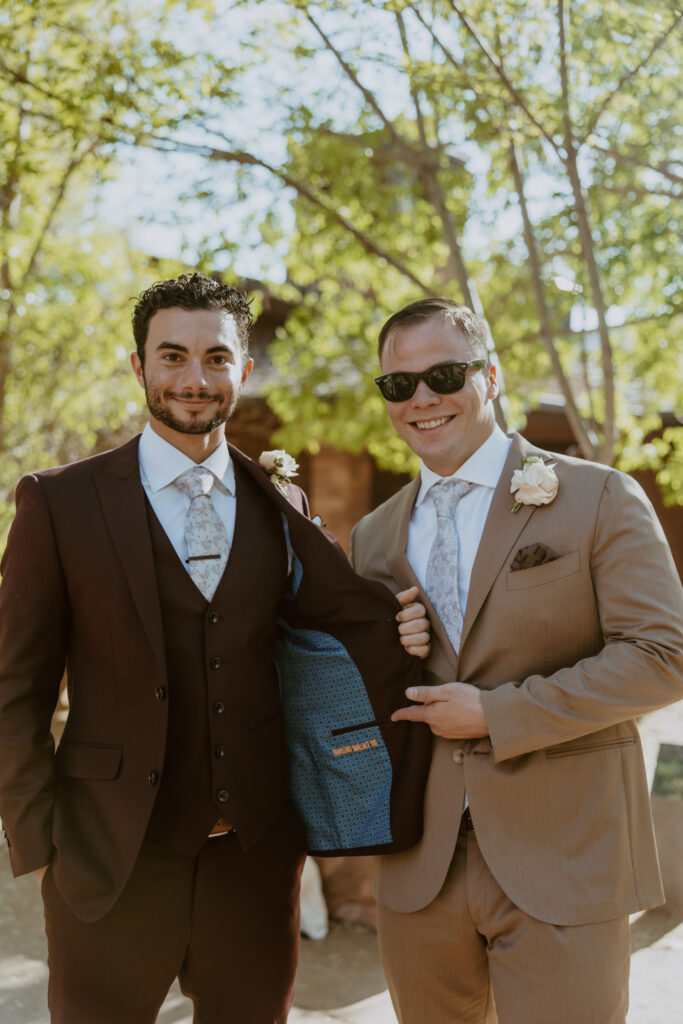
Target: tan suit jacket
column 566, row 654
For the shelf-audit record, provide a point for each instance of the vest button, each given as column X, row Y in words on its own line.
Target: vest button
column 223, row 796
column 160, row 693
column 153, row 777
column 219, row 707
column 220, row 750
column 213, row 618
column 458, row 756
column 215, row 662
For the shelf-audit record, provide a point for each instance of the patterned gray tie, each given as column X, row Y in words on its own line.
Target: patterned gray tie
column 205, row 535
column 441, row 581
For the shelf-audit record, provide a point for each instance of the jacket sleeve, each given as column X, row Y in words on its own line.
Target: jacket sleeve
column 33, row 626
column 640, row 666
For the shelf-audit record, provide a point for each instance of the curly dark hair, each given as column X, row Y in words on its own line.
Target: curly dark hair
column 191, row 291
column 459, row 316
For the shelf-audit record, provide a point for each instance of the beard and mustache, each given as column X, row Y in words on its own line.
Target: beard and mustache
column 157, row 403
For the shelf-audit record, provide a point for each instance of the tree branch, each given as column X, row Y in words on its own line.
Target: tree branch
column 586, row 238
column 432, row 185
column 8, row 192
column 495, row 64
column 640, row 190
column 422, row 163
column 586, row 444
column 419, row 117
column 566, row 332
column 369, row 97
column 635, row 161
column 18, row 78
column 248, row 159
column 626, row 78
column 57, row 200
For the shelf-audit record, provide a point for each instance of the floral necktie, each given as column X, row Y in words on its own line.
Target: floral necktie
column 205, row 535
column 441, row 581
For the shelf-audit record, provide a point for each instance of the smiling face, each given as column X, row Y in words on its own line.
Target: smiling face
column 443, row 430
column 193, row 372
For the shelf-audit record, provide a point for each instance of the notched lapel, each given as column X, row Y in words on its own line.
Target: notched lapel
column 122, row 498
column 395, row 543
column 396, row 537
column 501, row 530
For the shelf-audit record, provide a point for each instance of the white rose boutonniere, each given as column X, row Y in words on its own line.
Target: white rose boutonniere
column 534, row 484
column 280, row 467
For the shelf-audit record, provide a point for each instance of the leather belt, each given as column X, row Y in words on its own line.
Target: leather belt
column 223, row 827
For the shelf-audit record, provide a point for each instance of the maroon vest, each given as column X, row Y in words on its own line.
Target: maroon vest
column 222, row 686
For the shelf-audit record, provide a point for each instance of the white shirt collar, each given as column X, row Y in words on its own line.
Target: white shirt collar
column 161, row 463
column 483, row 467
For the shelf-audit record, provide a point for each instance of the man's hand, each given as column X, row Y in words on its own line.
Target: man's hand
column 413, row 624
column 452, row 710
column 39, row 872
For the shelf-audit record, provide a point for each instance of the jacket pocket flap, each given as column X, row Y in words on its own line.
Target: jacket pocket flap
column 587, row 747
column 88, row 760
column 546, row 573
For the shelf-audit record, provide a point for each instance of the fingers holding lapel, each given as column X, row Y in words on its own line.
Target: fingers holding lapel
column 413, row 624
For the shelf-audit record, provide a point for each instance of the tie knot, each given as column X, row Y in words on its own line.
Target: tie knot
column 195, row 481
column 447, row 494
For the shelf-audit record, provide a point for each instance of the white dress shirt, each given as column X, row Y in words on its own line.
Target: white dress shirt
column 161, row 464
column 482, row 470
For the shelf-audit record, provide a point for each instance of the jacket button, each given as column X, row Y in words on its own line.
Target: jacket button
column 219, row 707
column 160, row 693
column 223, row 796
column 153, row 777
column 215, row 662
column 213, row 618
column 220, row 750
column 458, row 756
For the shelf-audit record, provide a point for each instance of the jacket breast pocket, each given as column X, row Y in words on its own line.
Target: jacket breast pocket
column 539, row 575
column 88, row 760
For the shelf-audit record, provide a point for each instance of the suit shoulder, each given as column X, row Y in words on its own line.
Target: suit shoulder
column 71, row 471
column 374, row 520
column 598, row 472
column 594, row 484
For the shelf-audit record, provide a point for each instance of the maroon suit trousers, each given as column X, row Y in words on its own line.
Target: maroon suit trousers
column 225, row 922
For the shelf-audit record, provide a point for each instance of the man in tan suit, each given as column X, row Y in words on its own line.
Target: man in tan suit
column 557, row 617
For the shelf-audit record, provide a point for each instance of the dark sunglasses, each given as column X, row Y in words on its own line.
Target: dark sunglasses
column 443, row 380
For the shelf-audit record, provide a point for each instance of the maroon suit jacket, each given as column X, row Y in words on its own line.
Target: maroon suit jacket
column 79, row 590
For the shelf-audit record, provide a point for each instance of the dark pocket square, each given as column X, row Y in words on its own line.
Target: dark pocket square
column 531, row 556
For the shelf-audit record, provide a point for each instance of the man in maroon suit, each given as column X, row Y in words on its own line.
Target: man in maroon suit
column 161, row 829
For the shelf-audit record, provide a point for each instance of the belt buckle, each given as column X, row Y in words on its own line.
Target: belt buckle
column 221, row 828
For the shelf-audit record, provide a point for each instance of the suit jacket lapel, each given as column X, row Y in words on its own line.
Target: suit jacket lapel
column 396, row 536
column 501, row 530
column 263, row 481
column 123, row 506
column 395, row 543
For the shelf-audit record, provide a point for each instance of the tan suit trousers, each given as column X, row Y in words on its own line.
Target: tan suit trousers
column 472, row 957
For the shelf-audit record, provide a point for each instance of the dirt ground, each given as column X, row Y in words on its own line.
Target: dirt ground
column 335, row 972
column 340, row 979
